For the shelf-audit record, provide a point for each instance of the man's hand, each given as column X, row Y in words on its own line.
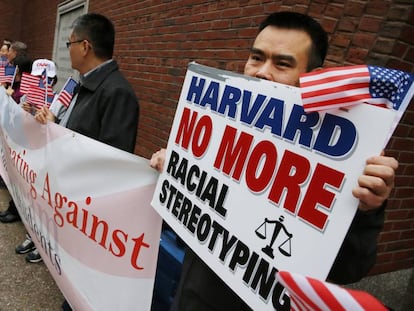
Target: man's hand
column 27, row 107
column 44, row 114
column 158, row 159
column 376, row 182
column 9, row 91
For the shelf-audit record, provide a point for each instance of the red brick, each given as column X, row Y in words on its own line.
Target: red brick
column 389, row 236
column 399, row 13
column 371, row 24
column 377, row 7
column 392, row 30
column 341, row 39
column 329, row 24
column 354, row 8
column 357, row 55
column 401, row 65
column 408, row 234
column 409, row 57
column 407, row 34
column 363, row 40
column 348, row 24
column 400, row 48
column 334, row 10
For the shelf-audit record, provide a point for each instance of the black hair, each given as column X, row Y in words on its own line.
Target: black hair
column 53, row 80
column 7, row 42
column 298, row 21
column 99, row 31
column 19, row 47
column 24, row 63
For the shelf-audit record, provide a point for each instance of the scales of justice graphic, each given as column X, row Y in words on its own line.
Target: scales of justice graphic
column 285, row 247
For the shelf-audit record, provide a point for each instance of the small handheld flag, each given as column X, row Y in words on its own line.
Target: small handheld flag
column 28, row 81
column 66, row 94
column 7, row 74
column 308, row 294
column 346, row 86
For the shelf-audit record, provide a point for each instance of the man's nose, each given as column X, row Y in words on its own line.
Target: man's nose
column 264, row 71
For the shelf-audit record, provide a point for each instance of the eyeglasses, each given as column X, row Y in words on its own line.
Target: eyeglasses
column 69, row 43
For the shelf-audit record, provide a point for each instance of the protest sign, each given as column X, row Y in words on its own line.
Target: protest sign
column 86, row 206
column 254, row 185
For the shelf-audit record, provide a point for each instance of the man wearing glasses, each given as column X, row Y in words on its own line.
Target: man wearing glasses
column 105, row 106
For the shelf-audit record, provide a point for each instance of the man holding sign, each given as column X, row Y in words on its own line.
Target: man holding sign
column 289, row 44
column 105, row 107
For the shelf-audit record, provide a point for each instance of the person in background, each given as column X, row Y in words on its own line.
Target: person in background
column 17, row 48
column 17, row 51
column 39, row 65
column 4, row 50
column 105, row 107
column 23, row 64
column 287, row 45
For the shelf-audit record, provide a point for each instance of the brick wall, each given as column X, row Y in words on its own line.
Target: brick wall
column 156, row 39
column 10, row 25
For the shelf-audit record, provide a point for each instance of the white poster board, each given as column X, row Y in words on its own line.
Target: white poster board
column 254, row 185
column 86, row 206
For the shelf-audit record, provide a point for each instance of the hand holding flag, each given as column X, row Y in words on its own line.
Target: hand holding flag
column 42, row 93
column 7, row 74
column 27, row 82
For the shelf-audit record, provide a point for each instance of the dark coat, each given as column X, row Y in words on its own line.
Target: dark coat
column 106, row 108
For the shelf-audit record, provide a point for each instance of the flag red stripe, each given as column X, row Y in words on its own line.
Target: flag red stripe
column 333, row 69
column 336, row 78
column 337, row 101
column 336, row 89
column 288, row 279
column 325, row 294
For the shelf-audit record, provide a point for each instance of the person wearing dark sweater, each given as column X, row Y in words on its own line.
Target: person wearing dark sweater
column 287, row 45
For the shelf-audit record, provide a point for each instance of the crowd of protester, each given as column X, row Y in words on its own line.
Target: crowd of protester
column 15, row 63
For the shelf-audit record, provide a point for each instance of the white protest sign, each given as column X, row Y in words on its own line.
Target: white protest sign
column 254, row 185
column 87, row 207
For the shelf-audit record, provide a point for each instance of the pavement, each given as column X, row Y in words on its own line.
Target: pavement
column 29, row 286
column 24, row 286
column 394, row 289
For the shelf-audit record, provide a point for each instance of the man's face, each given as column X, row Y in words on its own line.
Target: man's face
column 11, row 54
column 75, row 52
column 4, row 50
column 279, row 55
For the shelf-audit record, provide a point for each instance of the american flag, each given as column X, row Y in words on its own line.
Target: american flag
column 36, row 96
column 7, row 74
column 65, row 95
column 41, row 93
column 3, row 61
column 346, row 86
column 309, row 294
column 45, row 83
column 27, row 82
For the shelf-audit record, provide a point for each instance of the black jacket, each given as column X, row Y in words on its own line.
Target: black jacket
column 106, row 108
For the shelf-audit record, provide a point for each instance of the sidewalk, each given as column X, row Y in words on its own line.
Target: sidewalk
column 24, row 286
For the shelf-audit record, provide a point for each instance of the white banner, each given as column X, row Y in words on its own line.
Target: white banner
column 254, row 185
column 87, row 207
